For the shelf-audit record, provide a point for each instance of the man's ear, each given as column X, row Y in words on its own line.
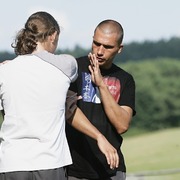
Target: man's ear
column 120, row 48
column 53, row 36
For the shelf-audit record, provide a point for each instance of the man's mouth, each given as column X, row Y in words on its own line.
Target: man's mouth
column 100, row 60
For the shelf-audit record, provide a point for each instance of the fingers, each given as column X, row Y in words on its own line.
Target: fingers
column 93, row 60
column 79, row 97
column 92, row 73
column 112, row 158
column 94, row 69
column 109, row 151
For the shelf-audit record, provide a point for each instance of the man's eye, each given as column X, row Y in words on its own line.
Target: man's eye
column 108, row 47
column 97, row 44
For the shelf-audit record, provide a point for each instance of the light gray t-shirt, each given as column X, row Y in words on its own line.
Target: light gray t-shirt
column 64, row 62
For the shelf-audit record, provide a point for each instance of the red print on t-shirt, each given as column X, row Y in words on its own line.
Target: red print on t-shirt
column 114, row 86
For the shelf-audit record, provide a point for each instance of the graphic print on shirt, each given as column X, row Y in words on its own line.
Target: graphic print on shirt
column 90, row 93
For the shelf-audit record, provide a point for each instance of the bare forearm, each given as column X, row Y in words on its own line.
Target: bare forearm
column 120, row 116
column 81, row 123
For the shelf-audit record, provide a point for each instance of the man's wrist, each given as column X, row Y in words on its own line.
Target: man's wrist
column 102, row 85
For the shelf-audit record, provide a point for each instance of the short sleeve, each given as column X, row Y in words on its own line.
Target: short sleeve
column 73, row 71
column 64, row 62
column 128, row 94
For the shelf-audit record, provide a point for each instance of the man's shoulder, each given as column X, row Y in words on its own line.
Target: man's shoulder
column 83, row 61
column 57, row 57
column 82, row 58
column 122, row 72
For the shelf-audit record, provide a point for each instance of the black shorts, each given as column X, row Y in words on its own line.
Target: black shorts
column 50, row 174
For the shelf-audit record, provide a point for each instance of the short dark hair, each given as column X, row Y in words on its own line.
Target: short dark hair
column 112, row 26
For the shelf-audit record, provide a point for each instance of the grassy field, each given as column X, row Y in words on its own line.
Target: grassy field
column 153, row 154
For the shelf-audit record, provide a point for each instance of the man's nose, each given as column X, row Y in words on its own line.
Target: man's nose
column 101, row 50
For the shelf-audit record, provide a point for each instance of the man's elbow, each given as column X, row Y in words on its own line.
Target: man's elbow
column 123, row 129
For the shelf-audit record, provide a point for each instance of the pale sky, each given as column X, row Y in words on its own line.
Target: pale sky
column 141, row 19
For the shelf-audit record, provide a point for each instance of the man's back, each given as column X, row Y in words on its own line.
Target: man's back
column 33, row 114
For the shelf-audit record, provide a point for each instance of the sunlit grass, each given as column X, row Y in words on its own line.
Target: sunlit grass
column 153, row 151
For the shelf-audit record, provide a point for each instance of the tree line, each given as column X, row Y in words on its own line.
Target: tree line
column 133, row 51
column 157, row 93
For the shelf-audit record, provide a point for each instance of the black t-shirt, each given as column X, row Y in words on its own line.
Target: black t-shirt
column 88, row 161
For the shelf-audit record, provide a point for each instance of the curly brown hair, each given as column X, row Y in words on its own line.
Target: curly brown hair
column 37, row 28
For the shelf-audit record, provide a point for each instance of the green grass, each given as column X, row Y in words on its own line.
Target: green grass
column 155, row 151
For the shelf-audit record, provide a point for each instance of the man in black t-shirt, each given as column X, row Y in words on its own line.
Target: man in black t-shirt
column 108, row 101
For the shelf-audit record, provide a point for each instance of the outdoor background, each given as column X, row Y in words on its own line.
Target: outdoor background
column 151, row 54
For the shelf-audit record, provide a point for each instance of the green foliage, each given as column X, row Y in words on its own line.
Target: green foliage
column 150, row 49
column 76, row 52
column 6, row 56
column 157, row 93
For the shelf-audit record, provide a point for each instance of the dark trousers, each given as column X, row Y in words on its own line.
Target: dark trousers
column 50, row 174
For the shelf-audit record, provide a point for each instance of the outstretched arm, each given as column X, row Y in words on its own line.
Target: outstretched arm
column 81, row 123
column 78, row 120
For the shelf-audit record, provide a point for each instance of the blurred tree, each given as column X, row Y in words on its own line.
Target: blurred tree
column 157, row 93
column 134, row 51
column 6, row 56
